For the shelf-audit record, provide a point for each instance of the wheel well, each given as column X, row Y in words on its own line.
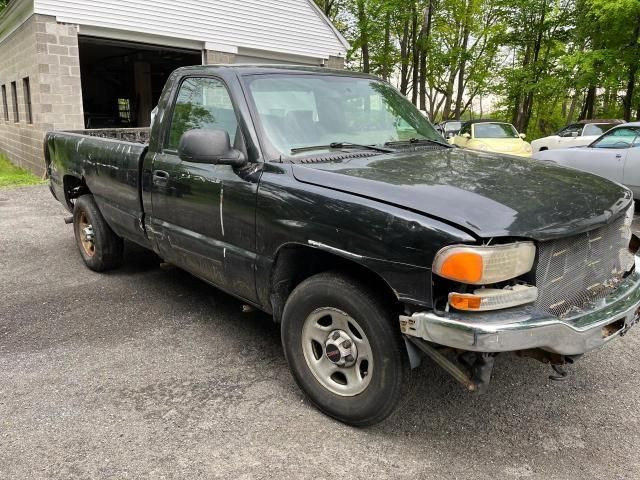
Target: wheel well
column 73, row 188
column 296, row 263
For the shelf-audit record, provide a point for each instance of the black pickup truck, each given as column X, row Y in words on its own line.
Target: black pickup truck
column 327, row 200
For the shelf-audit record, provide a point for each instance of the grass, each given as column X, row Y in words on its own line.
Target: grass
column 12, row 176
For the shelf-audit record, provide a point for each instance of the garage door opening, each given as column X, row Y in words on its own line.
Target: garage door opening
column 122, row 81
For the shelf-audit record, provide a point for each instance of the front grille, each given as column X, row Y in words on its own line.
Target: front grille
column 572, row 273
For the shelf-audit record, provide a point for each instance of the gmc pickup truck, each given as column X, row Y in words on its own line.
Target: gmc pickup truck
column 327, row 200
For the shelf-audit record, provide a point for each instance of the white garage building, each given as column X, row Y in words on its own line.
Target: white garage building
column 73, row 64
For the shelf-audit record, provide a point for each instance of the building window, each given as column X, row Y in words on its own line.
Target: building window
column 5, row 105
column 124, row 110
column 14, row 102
column 26, row 90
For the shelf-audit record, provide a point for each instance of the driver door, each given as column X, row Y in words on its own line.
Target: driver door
column 607, row 155
column 204, row 213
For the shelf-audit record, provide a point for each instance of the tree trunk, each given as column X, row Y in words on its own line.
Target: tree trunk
column 628, row 98
column 424, row 39
column 404, row 57
column 446, row 110
column 606, row 103
column 386, row 66
column 589, row 101
column 463, row 59
column 415, row 57
column 364, row 36
column 518, row 113
column 631, row 78
column 528, row 104
column 572, row 107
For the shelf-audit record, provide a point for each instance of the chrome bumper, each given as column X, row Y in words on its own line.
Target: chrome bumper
column 522, row 328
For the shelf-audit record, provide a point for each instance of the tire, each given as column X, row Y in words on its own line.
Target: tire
column 100, row 248
column 373, row 385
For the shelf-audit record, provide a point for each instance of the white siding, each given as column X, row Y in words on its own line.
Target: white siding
column 285, row 26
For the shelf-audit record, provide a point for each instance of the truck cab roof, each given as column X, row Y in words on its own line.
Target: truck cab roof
column 257, row 69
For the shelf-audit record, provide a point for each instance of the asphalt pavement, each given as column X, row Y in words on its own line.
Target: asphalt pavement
column 147, row 372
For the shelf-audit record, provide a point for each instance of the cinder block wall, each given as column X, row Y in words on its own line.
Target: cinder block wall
column 46, row 52
column 336, row 63
column 212, row 57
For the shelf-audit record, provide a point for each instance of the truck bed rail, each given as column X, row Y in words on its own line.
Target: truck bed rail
column 134, row 135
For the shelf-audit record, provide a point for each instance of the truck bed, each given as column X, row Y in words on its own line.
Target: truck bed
column 108, row 165
column 133, row 135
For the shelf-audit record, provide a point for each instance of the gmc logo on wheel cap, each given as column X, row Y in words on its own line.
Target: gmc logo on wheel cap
column 333, row 353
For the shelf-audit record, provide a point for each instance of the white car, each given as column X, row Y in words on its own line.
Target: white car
column 614, row 155
column 575, row 135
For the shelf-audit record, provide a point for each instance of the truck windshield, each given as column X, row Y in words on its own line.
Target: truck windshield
column 297, row 111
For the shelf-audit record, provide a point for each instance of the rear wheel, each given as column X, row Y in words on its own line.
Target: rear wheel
column 100, row 248
column 344, row 349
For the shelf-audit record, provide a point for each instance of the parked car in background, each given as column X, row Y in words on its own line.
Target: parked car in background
column 492, row 136
column 449, row 128
column 575, row 135
column 614, row 155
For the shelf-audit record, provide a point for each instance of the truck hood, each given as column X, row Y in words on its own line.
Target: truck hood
column 487, row 194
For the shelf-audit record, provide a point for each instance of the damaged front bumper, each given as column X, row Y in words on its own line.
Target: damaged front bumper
column 523, row 328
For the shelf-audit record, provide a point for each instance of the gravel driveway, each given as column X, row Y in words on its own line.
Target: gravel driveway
column 149, row 373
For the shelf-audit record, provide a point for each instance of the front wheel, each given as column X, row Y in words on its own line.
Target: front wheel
column 344, row 349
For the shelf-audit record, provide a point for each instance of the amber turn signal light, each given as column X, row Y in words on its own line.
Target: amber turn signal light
column 483, row 299
column 466, row 267
column 463, row 301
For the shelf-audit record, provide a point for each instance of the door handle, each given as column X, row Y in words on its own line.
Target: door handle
column 618, row 155
column 160, row 177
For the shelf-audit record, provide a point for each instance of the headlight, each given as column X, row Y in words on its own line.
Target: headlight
column 485, row 264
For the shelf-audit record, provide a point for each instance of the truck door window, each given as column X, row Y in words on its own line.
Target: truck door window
column 202, row 103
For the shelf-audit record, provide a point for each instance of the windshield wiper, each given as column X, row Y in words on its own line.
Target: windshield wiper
column 414, row 141
column 341, row 145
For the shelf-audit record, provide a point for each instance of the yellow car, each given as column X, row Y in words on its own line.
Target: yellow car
column 491, row 136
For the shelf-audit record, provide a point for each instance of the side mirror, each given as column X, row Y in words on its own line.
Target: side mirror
column 466, row 135
column 523, row 136
column 450, row 135
column 209, row 146
column 574, row 134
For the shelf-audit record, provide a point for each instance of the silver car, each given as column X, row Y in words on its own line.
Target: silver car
column 614, row 155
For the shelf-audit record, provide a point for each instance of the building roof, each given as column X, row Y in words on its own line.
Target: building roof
column 251, row 27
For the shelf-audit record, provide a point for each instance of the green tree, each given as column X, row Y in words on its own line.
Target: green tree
column 542, row 62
